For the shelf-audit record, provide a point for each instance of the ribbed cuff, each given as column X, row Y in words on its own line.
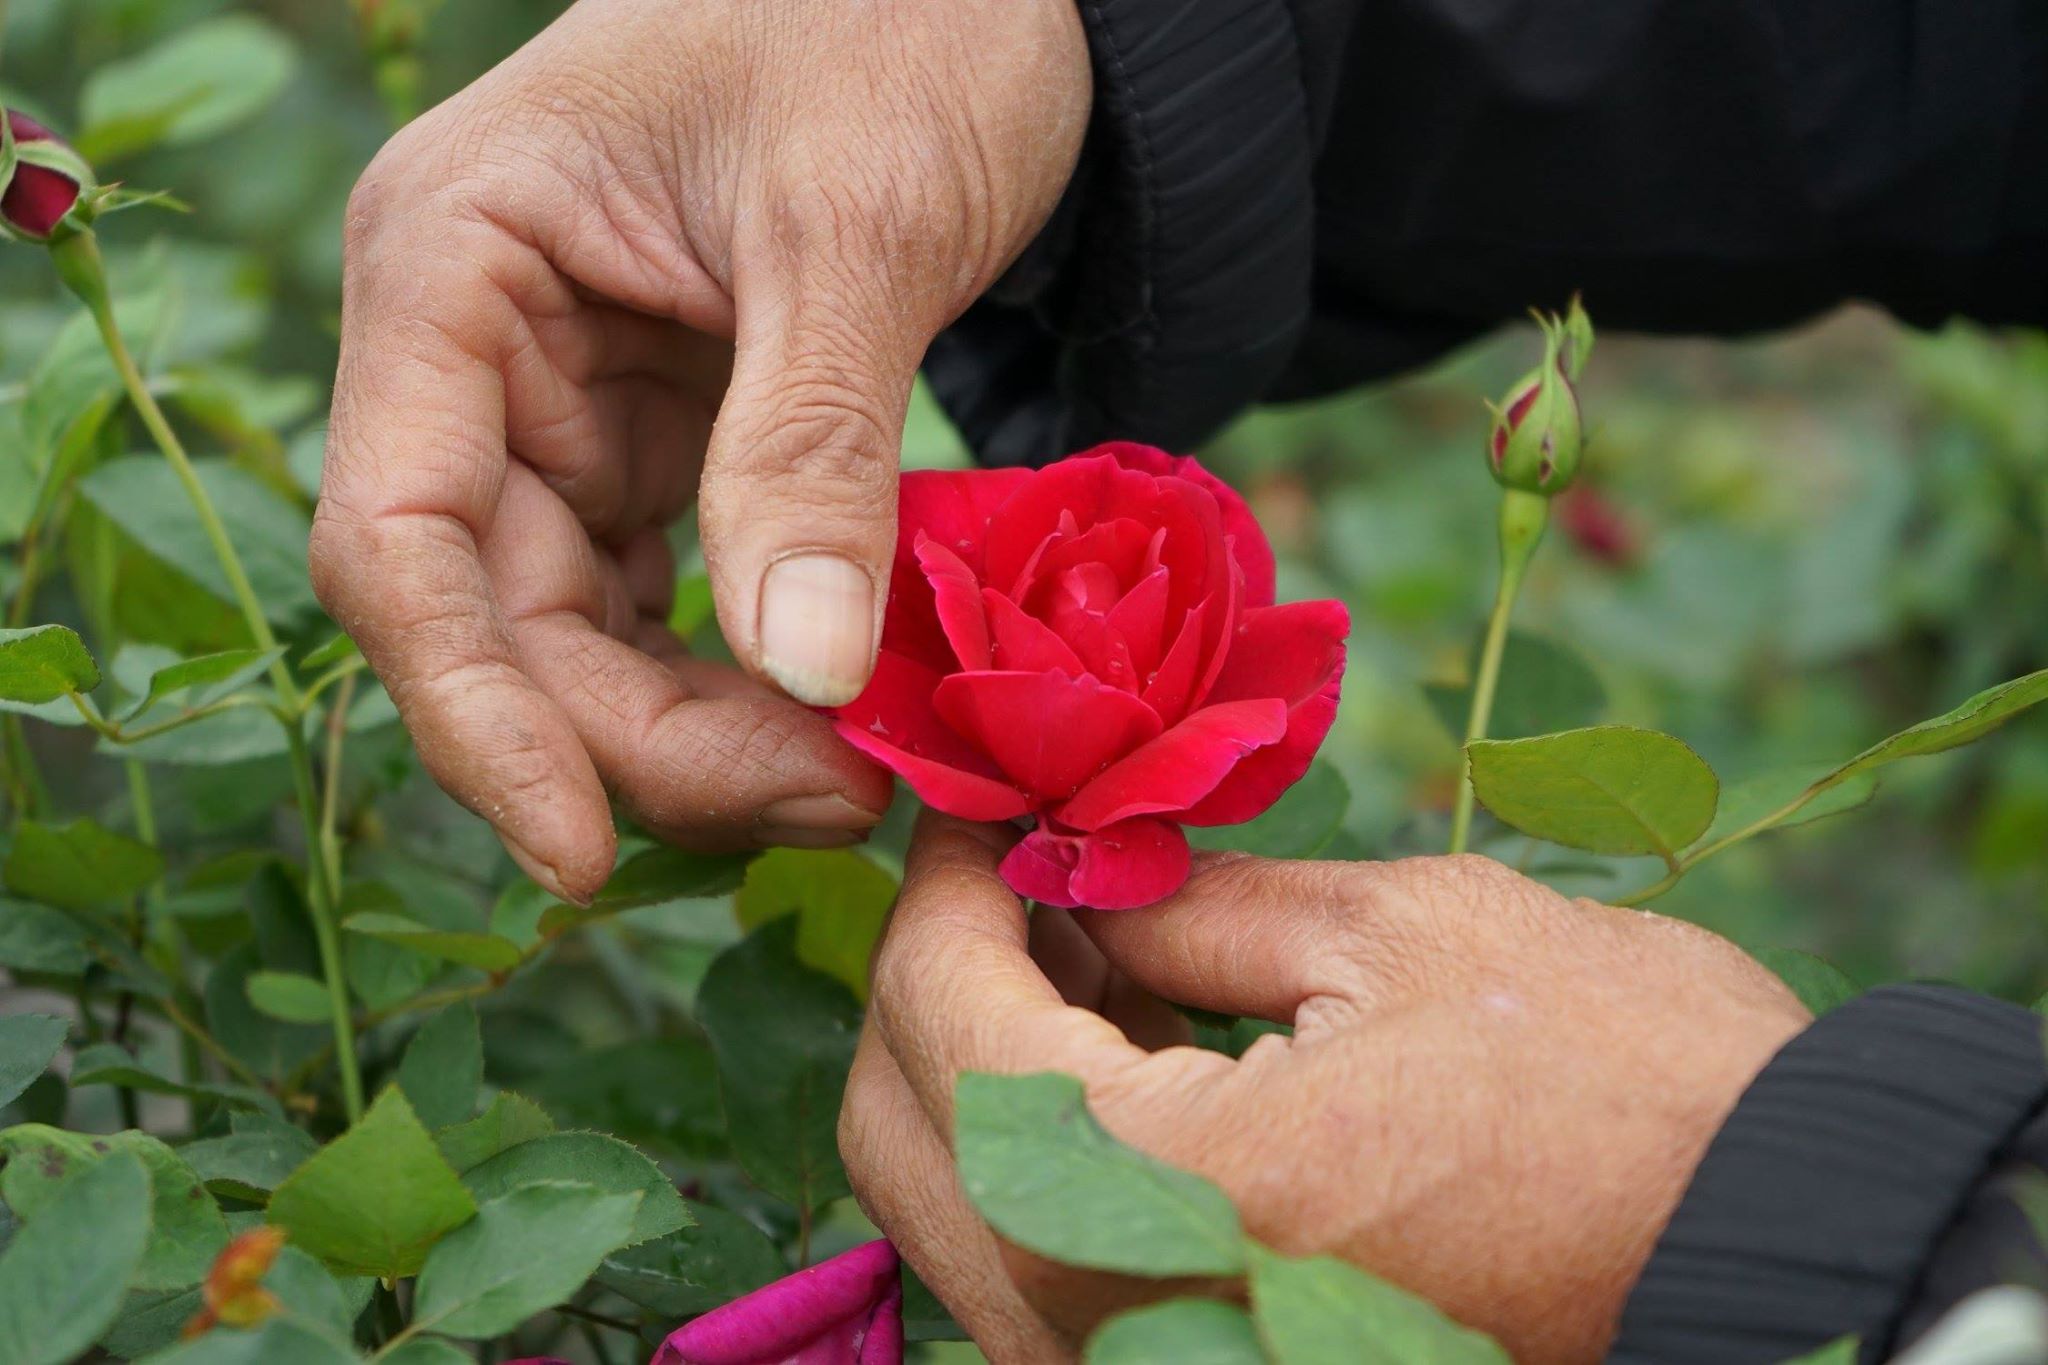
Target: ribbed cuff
column 1172, row 287
column 1818, row 1204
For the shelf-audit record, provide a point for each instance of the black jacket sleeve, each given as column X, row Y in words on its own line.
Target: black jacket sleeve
column 1863, row 1186
column 1282, row 198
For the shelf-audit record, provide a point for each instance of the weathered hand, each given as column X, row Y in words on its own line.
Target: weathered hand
column 1494, row 1096
column 664, row 239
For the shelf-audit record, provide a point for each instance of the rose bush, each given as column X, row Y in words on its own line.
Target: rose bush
column 1095, row 646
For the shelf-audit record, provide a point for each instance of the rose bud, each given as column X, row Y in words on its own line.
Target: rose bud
column 846, row 1311
column 233, row 1293
column 44, row 181
column 1537, row 436
column 1094, row 647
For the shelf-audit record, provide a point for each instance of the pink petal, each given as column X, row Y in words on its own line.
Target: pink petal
column 1180, row 767
column 1120, row 867
column 1023, row 643
column 883, row 1344
column 821, row 1315
column 1048, row 732
column 1249, row 544
column 957, row 599
column 1296, row 653
column 893, row 722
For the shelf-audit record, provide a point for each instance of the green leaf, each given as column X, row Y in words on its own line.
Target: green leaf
column 1544, row 688
column 79, row 866
column 377, row 1198
column 1299, row 825
column 289, row 996
column 141, row 495
column 27, row 1043
column 510, row 1120
column 196, row 682
column 112, row 1064
column 652, row 877
column 258, row 1042
column 326, row 656
column 427, row 1351
column 783, row 1036
column 695, row 1269
column 1971, row 721
column 63, row 1276
column 277, row 1341
column 258, row 1154
column 486, row 952
column 187, row 1231
column 382, row 974
column 443, row 1066
column 194, row 85
column 1819, row 984
column 1754, row 799
column 1322, row 1311
column 1610, row 789
column 1048, row 1177
column 525, row 1251
column 840, row 900
column 35, row 938
column 691, row 609
column 594, row 1159
column 44, row 663
column 1184, row 1331
column 1841, row 1351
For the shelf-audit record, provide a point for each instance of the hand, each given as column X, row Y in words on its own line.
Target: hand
column 1494, row 1096
column 665, row 238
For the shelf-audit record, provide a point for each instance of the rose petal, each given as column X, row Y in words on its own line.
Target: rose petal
column 956, row 596
column 1047, row 732
column 1086, row 492
column 1120, row 867
column 1169, row 689
column 1023, row 643
column 893, row 722
column 1139, row 620
column 953, row 508
column 831, row 1304
column 1250, row 546
column 1180, row 767
column 883, row 1344
column 1294, row 652
column 1288, row 652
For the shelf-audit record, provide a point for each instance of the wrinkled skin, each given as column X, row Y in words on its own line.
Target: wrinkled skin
column 667, row 252
column 1494, row 1095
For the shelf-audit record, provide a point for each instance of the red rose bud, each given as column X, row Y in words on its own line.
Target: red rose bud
column 1094, row 646
column 1537, row 436
column 1599, row 528
column 43, row 179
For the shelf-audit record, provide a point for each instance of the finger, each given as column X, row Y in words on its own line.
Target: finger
column 1082, row 975
column 798, row 500
column 1244, row 936
column 906, row 1183
column 416, row 462
column 718, row 773
column 956, row 989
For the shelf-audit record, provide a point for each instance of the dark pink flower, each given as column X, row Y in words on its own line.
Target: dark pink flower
column 845, row 1311
column 36, row 197
column 1094, row 645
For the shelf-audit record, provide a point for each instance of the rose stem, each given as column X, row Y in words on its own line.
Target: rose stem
column 1522, row 519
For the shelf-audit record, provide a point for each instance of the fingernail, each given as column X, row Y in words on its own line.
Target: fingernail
column 818, row 812
column 786, row 836
column 544, row 873
column 817, row 628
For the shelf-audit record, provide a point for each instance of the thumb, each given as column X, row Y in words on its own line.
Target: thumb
column 797, row 507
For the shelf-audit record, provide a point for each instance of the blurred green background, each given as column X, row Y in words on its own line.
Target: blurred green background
column 1787, row 547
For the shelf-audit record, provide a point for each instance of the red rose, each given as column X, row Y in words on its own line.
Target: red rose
column 1095, row 645
column 36, row 196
